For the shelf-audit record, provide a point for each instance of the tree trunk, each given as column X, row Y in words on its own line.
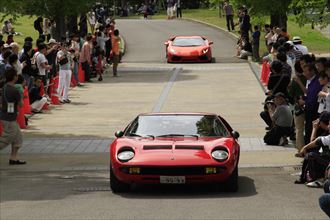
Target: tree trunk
column 72, row 24
column 60, row 28
column 279, row 20
column 83, row 24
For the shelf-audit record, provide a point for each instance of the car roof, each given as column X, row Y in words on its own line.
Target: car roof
column 176, row 113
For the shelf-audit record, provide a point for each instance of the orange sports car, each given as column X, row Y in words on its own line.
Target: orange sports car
column 188, row 49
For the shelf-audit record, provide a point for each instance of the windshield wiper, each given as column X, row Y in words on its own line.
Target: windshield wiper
column 179, row 135
column 137, row 135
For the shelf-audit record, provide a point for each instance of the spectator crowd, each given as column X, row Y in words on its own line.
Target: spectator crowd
column 41, row 72
column 297, row 102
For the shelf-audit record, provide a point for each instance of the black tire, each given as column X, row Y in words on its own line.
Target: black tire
column 231, row 185
column 212, row 60
column 116, row 185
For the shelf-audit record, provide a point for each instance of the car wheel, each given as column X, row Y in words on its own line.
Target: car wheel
column 212, row 60
column 116, row 185
column 231, row 185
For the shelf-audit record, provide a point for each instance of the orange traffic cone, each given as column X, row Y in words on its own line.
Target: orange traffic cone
column 54, row 95
column 81, row 74
column 21, row 118
column 26, row 102
column 42, row 93
column 73, row 82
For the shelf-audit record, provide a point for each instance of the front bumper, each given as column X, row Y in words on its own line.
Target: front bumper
column 192, row 174
column 177, row 59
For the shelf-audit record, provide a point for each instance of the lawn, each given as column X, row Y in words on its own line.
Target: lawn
column 313, row 39
column 24, row 26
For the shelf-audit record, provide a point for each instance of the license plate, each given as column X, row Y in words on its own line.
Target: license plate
column 172, row 179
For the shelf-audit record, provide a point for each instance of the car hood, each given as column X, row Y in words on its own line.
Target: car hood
column 173, row 151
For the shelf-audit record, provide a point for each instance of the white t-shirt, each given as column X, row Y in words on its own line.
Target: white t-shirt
column 66, row 66
column 325, row 140
column 301, row 48
column 40, row 58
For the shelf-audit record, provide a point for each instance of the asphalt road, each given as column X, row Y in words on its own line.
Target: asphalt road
column 81, row 190
column 265, row 193
column 145, row 39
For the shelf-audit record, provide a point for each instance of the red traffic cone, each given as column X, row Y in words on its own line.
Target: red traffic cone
column 81, row 74
column 21, row 118
column 45, row 107
column 54, row 95
column 265, row 71
column 73, row 82
column 1, row 129
column 26, row 102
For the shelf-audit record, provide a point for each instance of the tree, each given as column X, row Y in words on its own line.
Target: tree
column 311, row 11
column 276, row 9
column 61, row 11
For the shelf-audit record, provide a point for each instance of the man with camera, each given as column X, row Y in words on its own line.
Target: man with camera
column 65, row 63
column 281, row 117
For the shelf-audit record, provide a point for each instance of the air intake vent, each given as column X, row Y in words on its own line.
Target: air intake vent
column 157, row 147
column 189, row 147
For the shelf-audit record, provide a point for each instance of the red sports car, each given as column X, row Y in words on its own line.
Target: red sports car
column 175, row 148
column 188, row 49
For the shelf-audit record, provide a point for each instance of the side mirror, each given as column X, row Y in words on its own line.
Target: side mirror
column 235, row 134
column 119, row 134
column 210, row 42
column 166, row 43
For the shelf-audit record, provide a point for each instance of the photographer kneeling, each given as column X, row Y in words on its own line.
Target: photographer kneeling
column 281, row 117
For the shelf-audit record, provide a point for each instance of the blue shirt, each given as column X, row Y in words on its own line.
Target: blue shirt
column 312, row 93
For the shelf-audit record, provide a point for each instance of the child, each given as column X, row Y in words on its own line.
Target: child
column 255, row 43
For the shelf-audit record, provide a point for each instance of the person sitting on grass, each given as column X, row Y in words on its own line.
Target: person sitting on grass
column 36, row 100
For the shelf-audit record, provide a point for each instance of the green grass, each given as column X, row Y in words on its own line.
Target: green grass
column 24, row 26
column 312, row 38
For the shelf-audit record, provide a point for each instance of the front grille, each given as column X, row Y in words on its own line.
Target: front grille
column 188, row 147
column 175, row 171
column 176, row 58
column 157, row 147
column 204, row 58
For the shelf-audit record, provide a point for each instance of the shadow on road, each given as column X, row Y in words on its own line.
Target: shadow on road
column 246, row 189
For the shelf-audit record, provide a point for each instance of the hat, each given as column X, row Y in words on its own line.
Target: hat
column 6, row 46
column 289, row 42
column 52, row 41
column 325, row 117
column 296, row 39
column 280, row 94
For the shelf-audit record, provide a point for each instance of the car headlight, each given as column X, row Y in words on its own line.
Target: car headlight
column 220, row 155
column 125, row 155
column 205, row 51
column 172, row 51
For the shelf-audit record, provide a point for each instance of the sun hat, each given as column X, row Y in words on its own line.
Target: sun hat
column 52, row 41
column 296, row 39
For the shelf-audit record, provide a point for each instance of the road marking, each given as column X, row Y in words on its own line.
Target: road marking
column 167, row 90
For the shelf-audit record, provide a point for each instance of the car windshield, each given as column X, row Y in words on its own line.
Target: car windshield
column 188, row 42
column 177, row 125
